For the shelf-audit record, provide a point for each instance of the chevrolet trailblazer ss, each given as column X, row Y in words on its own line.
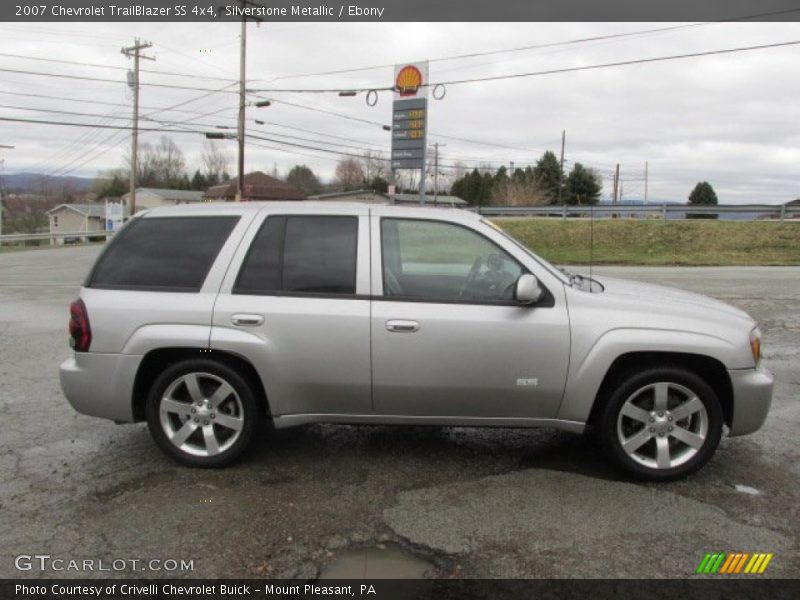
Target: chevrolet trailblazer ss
column 206, row 321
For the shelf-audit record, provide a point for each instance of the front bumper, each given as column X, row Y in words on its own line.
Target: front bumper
column 100, row 385
column 752, row 396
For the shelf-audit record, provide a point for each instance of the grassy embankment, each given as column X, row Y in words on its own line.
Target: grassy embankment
column 627, row 242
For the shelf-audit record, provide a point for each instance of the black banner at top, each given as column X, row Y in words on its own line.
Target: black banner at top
column 398, row 10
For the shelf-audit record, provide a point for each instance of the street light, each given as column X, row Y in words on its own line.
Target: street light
column 263, row 103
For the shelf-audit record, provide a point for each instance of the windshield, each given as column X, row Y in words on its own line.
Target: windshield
column 560, row 273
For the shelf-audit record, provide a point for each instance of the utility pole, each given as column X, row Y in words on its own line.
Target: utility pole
column 240, row 133
column 240, row 124
column 616, row 184
column 134, row 51
column 2, row 188
column 436, row 171
column 646, row 169
column 561, row 170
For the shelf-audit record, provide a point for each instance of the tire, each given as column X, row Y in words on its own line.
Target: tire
column 661, row 424
column 202, row 413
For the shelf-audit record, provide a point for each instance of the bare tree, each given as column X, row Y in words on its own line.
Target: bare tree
column 518, row 192
column 162, row 165
column 215, row 162
column 349, row 174
column 374, row 164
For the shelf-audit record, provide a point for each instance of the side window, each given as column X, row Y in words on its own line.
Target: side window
column 162, row 254
column 299, row 254
column 443, row 261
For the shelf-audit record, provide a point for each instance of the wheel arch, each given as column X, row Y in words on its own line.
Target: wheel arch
column 708, row 368
column 155, row 361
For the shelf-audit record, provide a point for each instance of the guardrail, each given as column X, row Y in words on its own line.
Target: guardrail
column 778, row 213
column 664, row 211
column 22, row 238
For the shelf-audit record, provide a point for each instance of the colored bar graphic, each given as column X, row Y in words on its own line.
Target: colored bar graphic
column 752, row 563
column 724, row 563
column 727, row 564
column 764, row 564
column 741, row 562
column 703, row 563
column 718, row 563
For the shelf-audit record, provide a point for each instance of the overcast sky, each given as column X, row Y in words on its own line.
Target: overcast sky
column 733, row 120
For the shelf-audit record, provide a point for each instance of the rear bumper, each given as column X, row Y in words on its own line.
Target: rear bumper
column 752, row 396
column 100, row 385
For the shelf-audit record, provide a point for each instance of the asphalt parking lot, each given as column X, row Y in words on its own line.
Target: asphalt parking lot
column 328, row 500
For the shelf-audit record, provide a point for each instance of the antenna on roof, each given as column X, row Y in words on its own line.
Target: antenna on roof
column 591, row 244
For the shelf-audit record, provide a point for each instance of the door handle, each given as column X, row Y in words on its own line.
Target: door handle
column 244, row 320
column 401, row 326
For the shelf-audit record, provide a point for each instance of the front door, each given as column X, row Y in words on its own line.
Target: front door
column 447, row 337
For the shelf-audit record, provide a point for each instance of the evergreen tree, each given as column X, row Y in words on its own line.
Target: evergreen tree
column 703, row 195
column 583, row 186
column 548, row 175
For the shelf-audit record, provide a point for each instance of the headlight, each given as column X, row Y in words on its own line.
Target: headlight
column 755, row 344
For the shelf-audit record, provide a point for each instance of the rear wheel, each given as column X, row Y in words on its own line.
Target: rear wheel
column 662, row 423
column 202, row 413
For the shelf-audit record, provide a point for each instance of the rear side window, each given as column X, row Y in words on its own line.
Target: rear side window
column 299, row 254
column 162, row 254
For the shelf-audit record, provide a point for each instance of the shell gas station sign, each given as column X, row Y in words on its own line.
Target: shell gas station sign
column 410, row 116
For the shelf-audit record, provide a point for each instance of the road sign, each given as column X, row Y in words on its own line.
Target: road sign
column 410, row 116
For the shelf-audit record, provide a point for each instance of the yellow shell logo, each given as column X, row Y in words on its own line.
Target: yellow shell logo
column 408, row 81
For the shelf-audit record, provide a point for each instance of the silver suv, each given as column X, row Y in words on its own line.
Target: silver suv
column 207, row 320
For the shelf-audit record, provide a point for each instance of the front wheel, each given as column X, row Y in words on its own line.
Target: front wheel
column 202, row 413
column 663, row 423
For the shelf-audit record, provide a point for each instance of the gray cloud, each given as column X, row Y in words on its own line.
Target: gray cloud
column 732, row 120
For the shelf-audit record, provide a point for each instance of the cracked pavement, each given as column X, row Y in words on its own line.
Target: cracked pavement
column 468, row 502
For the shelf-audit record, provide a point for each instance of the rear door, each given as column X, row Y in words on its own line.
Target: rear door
column 295, row 302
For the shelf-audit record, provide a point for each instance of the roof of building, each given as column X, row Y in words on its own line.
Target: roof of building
column 90, row 210
column 346, row 194
column 167, row 194
column 257, row 186
column 440, row 199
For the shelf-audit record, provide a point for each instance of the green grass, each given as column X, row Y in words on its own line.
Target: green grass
column 628, row 242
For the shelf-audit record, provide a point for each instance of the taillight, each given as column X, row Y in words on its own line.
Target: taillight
column 79, row 330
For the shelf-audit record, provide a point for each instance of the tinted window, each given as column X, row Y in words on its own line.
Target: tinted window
column 167, row 254
column 443, row 261
column 302, row 254
column 261, row 271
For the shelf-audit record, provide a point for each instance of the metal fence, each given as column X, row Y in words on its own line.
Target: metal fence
column 79, row 236
column 779, row 213
column 663, row 211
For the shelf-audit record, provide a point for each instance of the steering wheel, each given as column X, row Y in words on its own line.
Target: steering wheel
column 473, row 273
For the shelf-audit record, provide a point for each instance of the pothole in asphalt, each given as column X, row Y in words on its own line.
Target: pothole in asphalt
column 377, row 562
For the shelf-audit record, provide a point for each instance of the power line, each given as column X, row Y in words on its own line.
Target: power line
column 104, row 80
column 99, row 102
column 537, row 73
column 545, row 45
column 95, row 125
column 112, row 67
column 324, row 111
column 618, row 63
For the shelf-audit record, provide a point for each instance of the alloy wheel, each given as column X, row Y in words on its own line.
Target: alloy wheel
column 662, row 425
column 201, row 414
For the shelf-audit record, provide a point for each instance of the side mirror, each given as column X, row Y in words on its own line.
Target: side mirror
column 528, row 291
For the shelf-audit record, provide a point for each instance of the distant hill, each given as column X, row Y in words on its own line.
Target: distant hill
column 22, row 182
